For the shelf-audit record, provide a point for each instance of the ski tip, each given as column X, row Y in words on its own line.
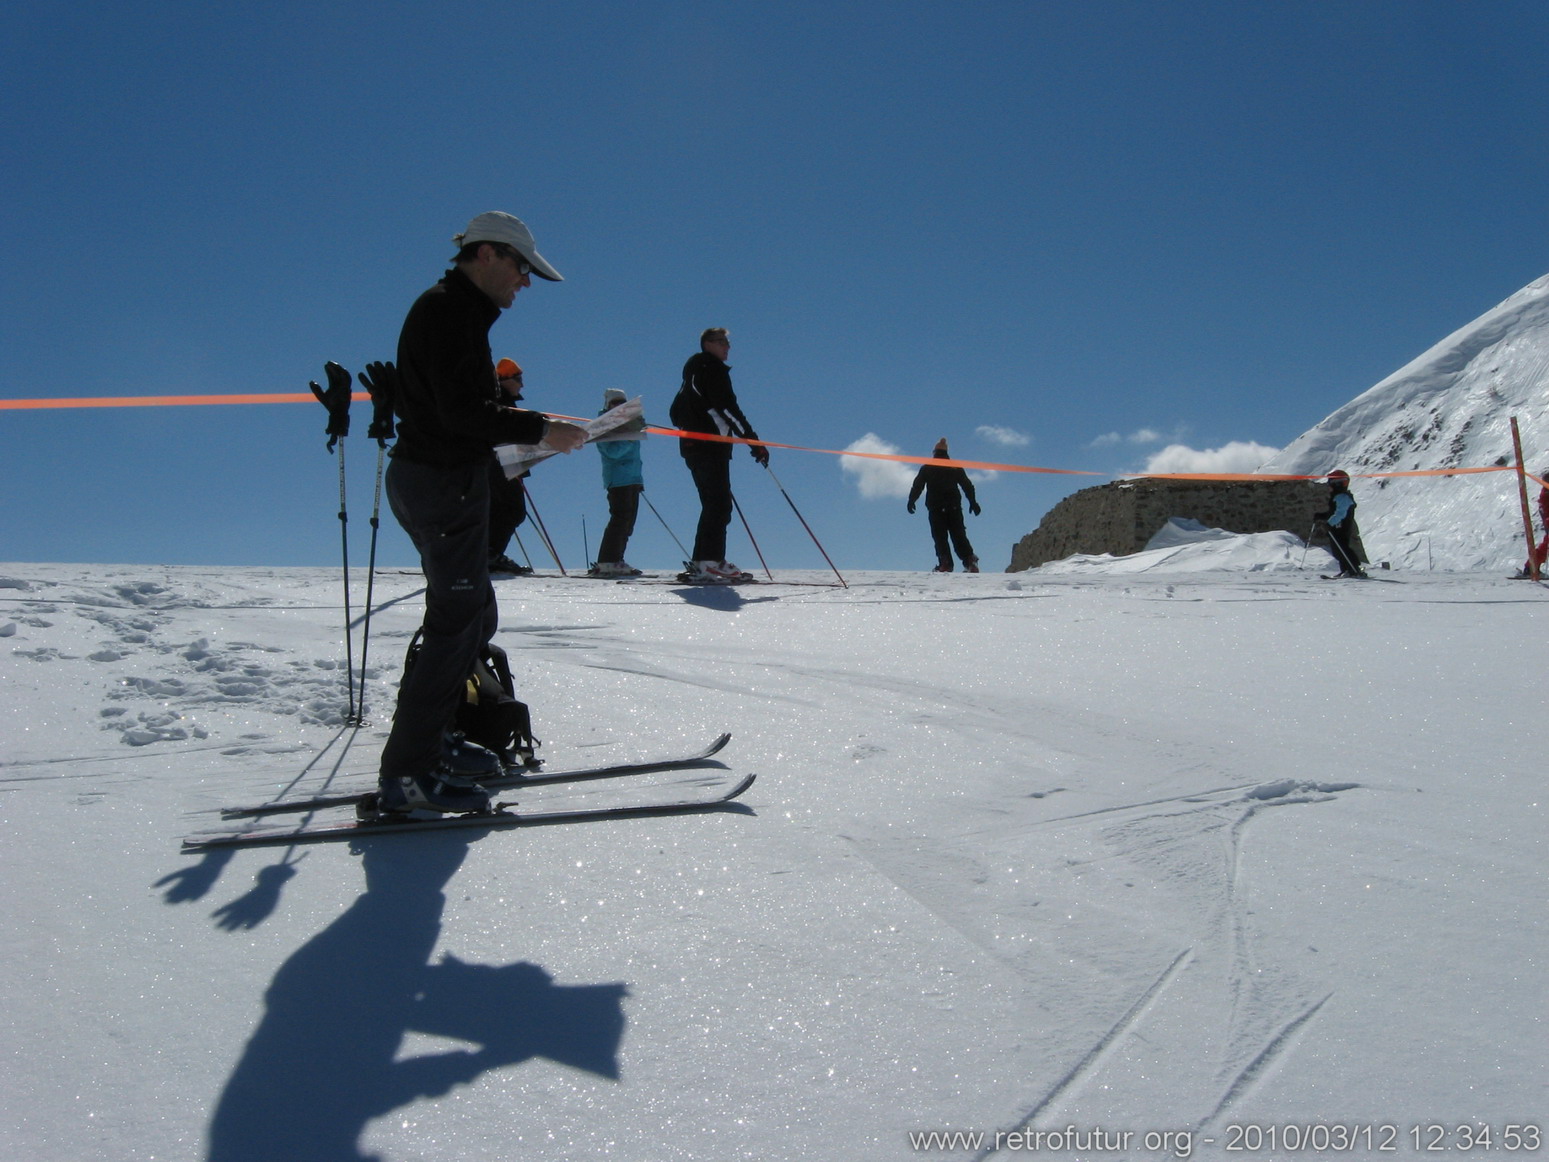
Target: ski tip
column 742, row 785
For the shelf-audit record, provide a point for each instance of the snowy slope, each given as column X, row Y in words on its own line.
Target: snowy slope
column 1449, row 408
column 1168, row 852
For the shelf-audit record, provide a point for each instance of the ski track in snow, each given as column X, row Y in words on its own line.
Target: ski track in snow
column 1193, row 845
column 1084, row 1069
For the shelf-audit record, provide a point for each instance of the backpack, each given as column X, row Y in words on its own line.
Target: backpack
column 490, row 713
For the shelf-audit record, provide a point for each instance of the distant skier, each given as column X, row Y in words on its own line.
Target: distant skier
column 940, row 485
column 706, row 403
column 1541, row 550
column 507, row 496
column 624, row 481
column 1339, row 518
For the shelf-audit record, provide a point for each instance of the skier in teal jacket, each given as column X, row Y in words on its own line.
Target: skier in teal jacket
column 1340, row 519
column 624, row 481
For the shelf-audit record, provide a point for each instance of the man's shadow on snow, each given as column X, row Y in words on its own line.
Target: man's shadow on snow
column 248, row 910
column 325, row 1058
column 724, row 598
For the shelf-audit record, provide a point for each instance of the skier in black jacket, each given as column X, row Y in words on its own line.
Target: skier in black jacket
column 706, row 403
column 940, row 485
column 451, row 414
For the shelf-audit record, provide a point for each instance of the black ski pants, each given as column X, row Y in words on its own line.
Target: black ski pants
column 507, row 508
column 1344, row 553
column 712, row 477
column 623, row 506
column 445, row 511
column 946, row 524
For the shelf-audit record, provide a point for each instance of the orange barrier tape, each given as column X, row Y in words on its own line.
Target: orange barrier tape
column 991, row 466
column 985, row 465
column 898, row 457
column 982, row 465
column 1319, row 476
column 159, row 401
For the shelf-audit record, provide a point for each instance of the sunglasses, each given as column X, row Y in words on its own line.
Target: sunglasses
column 522, row 265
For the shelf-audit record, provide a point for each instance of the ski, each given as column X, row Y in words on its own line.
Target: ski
column 698, row 579
column 680, row 579
column 534, row 778
column 496, row 576
column 502, row 817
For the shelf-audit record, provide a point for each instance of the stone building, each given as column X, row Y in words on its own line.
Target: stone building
column 1120, row 518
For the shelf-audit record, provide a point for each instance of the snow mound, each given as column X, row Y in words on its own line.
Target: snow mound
column 1184, row 545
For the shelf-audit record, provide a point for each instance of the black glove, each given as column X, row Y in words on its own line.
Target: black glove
column 337, row 400
column 973, row 507
column 760, row 453
column 381, row 380
column 911, row 508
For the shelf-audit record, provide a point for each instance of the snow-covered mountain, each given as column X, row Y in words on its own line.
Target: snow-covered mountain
column 1450, row 408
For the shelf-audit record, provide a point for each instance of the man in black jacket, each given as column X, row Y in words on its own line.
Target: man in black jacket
column 451, row 414
column 706, row 403
column 940, row 485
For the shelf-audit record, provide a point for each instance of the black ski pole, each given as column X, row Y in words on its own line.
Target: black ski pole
column 526, row 556
column 665, row 525
column 751, row 537
column 337, row 400
column 542, row 530
column 381, row 381
column 845, row 584
column 1311, row 532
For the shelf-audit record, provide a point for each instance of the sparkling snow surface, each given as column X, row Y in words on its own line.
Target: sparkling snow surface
column 1173, row 843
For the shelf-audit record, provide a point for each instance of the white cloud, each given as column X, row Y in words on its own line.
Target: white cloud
column 1006, row 437
column 1138, row 436
column 1237, row 456
column 878, row 479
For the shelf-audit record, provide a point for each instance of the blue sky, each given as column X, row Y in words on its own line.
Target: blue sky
column 1060, row 234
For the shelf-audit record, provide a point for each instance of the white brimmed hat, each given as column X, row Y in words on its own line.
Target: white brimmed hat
column 496, row 226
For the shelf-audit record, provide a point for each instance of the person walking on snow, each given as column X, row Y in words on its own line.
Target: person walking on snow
column 624, row 481
column 940, row 484
column 706, row 403
column 451, row 413
column 1339, row 517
